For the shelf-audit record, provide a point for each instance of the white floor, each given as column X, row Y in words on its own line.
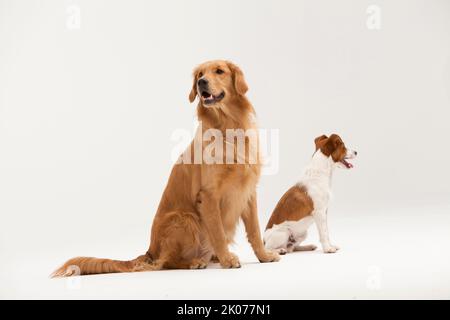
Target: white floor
column 395, row 254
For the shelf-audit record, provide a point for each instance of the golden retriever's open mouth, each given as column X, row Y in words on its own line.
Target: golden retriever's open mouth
column 209, row 98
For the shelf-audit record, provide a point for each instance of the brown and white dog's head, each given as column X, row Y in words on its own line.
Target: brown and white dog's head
column 217, row 81
column 334, row 148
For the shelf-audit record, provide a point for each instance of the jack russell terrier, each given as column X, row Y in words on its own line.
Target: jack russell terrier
column 307, row 201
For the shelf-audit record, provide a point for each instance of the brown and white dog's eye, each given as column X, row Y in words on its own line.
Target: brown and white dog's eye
column 219, row 71
column 200, row 74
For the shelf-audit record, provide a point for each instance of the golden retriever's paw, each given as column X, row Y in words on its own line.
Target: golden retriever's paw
column 143, row 266
column 230, row 261
column 198, row 264
column 269, row 256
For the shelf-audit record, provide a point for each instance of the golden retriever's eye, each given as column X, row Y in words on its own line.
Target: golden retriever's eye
column 219, row 71
column 200, row 74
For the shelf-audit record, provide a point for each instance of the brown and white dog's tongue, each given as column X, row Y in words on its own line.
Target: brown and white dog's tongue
column 347, row 164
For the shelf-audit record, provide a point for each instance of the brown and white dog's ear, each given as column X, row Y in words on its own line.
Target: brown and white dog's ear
column 331, row 144
column 238, row 77
column 319, row 139
column 193, row 92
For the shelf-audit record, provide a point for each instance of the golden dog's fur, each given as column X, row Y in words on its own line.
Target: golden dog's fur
column 202, row 203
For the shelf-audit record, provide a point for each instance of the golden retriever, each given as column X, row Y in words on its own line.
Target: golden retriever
column 202, row 203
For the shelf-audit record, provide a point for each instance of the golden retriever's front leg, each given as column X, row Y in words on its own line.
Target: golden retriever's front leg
column 250, row 218
column 208, row 207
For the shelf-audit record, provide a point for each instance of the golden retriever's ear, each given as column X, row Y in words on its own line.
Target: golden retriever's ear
column 238, row 77
column 193, row 92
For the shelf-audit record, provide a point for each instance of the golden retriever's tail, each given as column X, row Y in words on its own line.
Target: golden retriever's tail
column 86, row 265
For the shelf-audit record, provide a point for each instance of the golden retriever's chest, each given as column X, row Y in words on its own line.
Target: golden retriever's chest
column 237, row 191
column 234, row 201
column 238, row 181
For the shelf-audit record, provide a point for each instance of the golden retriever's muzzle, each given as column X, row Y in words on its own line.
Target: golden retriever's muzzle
column 205, row 93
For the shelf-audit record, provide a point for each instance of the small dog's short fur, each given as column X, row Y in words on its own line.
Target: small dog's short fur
column 307, row 201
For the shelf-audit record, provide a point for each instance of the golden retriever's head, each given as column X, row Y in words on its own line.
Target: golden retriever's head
column 217, row 81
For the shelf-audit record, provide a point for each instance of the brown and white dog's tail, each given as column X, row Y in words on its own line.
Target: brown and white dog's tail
column 87, row 265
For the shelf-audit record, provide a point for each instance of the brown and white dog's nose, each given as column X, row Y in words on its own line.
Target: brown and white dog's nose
column 202, row 83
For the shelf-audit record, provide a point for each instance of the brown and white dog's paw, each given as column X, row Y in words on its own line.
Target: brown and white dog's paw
column 268, row 256
column 330, row 249
column 230, row 260
column 309, row 247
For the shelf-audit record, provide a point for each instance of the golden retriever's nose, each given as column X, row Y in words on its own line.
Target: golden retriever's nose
column 202, row 83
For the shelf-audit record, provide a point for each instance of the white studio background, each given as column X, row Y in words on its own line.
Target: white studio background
column 91, row 92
